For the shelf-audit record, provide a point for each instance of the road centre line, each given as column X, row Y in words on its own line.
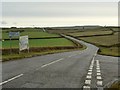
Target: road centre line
column 4, row 82
column 52, row 62
column 86, row 87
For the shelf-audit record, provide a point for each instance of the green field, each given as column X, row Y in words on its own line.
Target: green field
column 108, row 44
column 90, row 33
column 106, row 38
column 39, row 43
column 35, row 34
column 103, row 40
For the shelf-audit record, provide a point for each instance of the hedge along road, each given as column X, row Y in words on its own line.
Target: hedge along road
column 76, row 69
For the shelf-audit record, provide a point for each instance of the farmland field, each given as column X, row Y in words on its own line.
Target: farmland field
column 106, row 38
column 103, row 40
column 108, row 44
column 40, row 43
column 90, row 33
column 34, row 34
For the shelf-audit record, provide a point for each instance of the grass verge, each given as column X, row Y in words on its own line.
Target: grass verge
column 9, row 57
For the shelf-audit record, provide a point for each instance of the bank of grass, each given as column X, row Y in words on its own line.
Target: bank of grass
column 111, row 51
column 16, row 56
column 115, row 85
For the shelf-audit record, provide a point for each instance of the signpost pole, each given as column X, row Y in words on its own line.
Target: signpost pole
column 10, row 45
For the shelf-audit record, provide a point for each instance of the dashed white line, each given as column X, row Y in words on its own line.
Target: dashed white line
column 98, row 68
column 52, row 62
column 89, row 73
column 11, row 79
column 99, row 83
column 98, row 71
column 99, row 77
column 98, row 74
column 88, row 82
column 90, row 70
column 86, row 87
column 89, row 77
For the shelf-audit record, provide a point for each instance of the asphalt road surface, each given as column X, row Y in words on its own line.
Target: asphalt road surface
column 76, row 69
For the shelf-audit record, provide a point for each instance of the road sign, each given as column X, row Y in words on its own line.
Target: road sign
column 12, row 34
column 23, row 43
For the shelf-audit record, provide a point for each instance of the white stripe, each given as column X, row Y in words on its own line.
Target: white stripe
column 88, row 76
column 89, row 73
column 90, row 70
column 88, row 82
column 99, row 77
column 98, row 68
column 99, row 83
column 86, row 86
column 11, row 79
column 98, row 73
column 51, row 63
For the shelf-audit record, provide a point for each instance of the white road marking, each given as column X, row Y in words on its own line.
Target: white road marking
column 98, row 71
column 98, row 74
column 11, row 79
column 89, row 76
column 98, row 68
column 88, row 82
column 52, row 62
column 99, row 83
column 90, row 70
column 99, row 77
column 86, row 86
column 89, row 73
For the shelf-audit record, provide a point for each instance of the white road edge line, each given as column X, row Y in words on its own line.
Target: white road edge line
column 11, row 79
column 86, row 87
column 52, row 62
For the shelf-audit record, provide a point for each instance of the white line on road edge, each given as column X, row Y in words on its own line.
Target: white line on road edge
column 89, row 75
column 88, row 82
column 99, row 78
column 11, row 79
column 52, row 62
column 86, row 87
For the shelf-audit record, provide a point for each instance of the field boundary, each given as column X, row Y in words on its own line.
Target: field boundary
column 35, row 38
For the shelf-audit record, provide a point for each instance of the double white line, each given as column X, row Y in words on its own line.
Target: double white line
column 89, row 75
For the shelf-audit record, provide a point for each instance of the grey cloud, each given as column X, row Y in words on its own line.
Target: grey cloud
column 34, row 9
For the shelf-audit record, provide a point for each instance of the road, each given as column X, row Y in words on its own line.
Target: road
column 76, row 69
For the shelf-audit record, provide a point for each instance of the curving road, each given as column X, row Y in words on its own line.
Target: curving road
column 76, row 69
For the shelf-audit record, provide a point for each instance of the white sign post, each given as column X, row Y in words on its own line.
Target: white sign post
column 23, row 43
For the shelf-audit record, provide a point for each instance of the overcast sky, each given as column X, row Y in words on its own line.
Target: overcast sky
column 59, row 13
